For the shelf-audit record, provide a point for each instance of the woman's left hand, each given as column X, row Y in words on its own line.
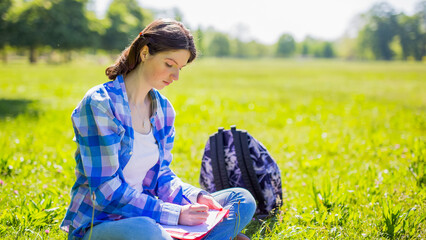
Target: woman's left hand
column 209, row 201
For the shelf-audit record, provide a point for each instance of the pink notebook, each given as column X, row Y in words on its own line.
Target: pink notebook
column 197, row 231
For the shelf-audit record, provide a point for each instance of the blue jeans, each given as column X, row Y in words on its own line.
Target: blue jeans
column 239, row 201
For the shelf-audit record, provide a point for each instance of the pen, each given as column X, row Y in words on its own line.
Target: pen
column 186, row 199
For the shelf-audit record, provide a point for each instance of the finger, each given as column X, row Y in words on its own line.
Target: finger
column 199, row 207
column 201, row 215
column 215, row 205
column 198, row 215
column 199, row 221
column 218, row 205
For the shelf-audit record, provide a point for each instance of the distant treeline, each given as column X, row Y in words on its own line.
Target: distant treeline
column 35, row 26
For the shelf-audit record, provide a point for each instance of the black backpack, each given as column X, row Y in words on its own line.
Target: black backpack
column 233, row 158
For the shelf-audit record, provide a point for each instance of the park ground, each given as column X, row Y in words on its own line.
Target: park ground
column 349, row 138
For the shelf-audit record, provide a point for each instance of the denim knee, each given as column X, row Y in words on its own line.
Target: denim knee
column 247, row 203
column 130, row 229
column 148, row 228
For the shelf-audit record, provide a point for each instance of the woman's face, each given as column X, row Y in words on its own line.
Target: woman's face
column 163, row 68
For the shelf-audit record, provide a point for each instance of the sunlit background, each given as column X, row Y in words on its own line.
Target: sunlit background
column 351, row 29
column 265, row 21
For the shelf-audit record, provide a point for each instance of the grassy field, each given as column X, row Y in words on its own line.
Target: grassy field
column 349, row 137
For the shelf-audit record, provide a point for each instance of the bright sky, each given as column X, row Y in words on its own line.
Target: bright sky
column 266, row 20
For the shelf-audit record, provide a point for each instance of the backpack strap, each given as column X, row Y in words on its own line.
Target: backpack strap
column 250, row 169
column 221, row 159
column 240, row 159
column 220, row 176
column 214, row 163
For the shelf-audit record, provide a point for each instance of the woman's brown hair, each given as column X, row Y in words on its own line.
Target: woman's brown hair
column 160, row 35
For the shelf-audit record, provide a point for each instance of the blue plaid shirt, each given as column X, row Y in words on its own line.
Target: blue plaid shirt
column 104, row 136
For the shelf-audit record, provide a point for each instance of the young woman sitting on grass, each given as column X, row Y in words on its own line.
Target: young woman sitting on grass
column 124, row 133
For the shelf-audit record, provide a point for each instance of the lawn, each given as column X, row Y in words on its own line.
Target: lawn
column 349, row 137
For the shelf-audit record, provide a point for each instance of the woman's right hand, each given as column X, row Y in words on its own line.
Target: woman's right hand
column 193, row 214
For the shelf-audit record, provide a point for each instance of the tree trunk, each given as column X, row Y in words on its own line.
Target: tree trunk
column 33, row 55
column 4, row 56
column 66, row 56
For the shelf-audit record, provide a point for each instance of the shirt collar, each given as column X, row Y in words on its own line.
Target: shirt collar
column 119, row 84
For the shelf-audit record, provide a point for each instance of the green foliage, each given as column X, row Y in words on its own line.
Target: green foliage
column 199, row 39
column 328, row 51
column 286, row 46
column 418, row 166
column 68, row 25
column 311, row 47
column 400, row 224
column 125, row 22
column 381, row 27
column 353, row 130
column 60, row 24
column 4, row 8
column 28, row 216
column 251, row 49
column 383, row 24
column 219, row 46
column 29, row 26
column 64, row 25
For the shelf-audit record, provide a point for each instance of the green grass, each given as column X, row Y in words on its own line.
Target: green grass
column 349, row 137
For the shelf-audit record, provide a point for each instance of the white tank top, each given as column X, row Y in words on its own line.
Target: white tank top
column 145, row 156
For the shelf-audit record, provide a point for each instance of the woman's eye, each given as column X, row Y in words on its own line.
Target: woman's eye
column 168, row 65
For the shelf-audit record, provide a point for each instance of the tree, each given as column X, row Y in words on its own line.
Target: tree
column 125, row 19
column 219, row 46
column 240, row 49
column 4, row 24
column 178, row 15
column 97, row 28
column 327, row 50
column 311, row 47
column 410, row 36
column 421, row 15
column 30, row 24
column 199, row 38
column 381, row 26
column 305, row 49
column 68, row 25
column 60, row 24
column 286, row 46
column 4, row 7
column 255, row 49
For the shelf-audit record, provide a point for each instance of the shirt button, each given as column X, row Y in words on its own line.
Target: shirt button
column 130, row 153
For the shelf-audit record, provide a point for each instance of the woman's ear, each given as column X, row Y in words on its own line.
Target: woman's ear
column 144, row 53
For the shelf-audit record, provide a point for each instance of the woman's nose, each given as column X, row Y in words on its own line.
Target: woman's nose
column 175, row 76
